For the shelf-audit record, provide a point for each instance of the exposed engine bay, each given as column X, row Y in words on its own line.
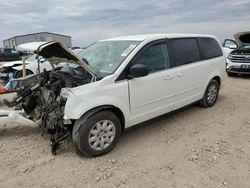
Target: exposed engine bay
column 243, row 41
column 241, row 51
column 41, row 99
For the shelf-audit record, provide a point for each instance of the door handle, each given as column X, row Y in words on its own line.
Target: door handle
column 180, row 74
column 169, row 77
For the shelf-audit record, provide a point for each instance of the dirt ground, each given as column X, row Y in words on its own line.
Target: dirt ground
column 195, row 147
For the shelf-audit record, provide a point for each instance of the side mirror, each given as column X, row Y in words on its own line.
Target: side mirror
column 231, row 44
column 138, row 70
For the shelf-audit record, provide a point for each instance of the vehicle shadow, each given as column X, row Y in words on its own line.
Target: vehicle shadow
column 18, row 130
column 241, row 76
column 221, row 99
column 162, row 121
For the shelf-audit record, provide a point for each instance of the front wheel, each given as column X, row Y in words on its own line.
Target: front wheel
column 99, row 134
column 211, row 94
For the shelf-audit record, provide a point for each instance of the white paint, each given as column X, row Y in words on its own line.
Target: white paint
column 143, row 98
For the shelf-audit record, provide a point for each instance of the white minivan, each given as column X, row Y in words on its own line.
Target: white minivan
column 126, row 81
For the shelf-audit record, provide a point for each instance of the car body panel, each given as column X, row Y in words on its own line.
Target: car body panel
column 151, row 96
column 84, row 98
column 188, row 88
column 13, row 63
column 227, row 51
column 33, row 66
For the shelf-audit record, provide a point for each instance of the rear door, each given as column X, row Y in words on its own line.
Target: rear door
column 190, row 71
column 152, row 95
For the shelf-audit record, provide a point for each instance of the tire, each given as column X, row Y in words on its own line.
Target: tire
column 211, row 94
column 96, row 133
column 231, row 74
column 19, row 74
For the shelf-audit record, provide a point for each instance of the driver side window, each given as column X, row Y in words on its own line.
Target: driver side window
column 155, row 58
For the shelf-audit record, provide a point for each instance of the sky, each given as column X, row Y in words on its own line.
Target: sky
column 88, row 21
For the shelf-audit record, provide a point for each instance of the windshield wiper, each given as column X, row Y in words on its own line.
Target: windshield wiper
column 86, row 61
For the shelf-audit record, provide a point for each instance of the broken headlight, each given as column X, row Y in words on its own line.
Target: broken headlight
column 65, row 92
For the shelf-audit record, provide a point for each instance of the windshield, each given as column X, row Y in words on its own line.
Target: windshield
column 106, row 56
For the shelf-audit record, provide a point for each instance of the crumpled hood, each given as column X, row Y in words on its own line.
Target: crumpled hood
column 242, row 38
column 56, row 52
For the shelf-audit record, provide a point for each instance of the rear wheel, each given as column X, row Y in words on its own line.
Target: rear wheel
column 211, row 94
column 99, row 134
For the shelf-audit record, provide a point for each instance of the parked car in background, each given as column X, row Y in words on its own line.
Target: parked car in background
column 8, row 54
column 119, row 83
column 14, row 69
column 238, row 60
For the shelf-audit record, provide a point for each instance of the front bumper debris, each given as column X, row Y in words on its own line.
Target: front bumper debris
column 12, row 116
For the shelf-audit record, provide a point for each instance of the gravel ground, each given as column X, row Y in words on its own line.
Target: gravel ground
column 195, row 147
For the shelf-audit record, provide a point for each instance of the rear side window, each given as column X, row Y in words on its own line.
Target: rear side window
column 209, row 48
column 184, row 51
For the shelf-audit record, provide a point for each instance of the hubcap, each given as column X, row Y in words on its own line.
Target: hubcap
column 212, row 94
column 101, row 135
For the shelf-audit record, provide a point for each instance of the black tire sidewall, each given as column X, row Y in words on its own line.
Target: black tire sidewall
column 83, row 143
column 212, row 82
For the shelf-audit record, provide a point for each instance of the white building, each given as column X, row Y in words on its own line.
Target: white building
column 37, row 37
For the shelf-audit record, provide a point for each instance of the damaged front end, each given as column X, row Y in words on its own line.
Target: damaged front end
column 243, row 43
column 40, row 101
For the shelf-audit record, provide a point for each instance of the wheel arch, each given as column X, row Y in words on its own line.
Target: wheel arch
column 218, row 79
column 117, row 111
column 214, row 75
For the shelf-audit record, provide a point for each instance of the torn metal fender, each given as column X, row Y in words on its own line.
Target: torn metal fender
column 12, row 116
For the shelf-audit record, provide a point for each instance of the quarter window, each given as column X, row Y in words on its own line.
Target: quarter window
column 184, row 51
column 155, row 58
column 209, row 48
